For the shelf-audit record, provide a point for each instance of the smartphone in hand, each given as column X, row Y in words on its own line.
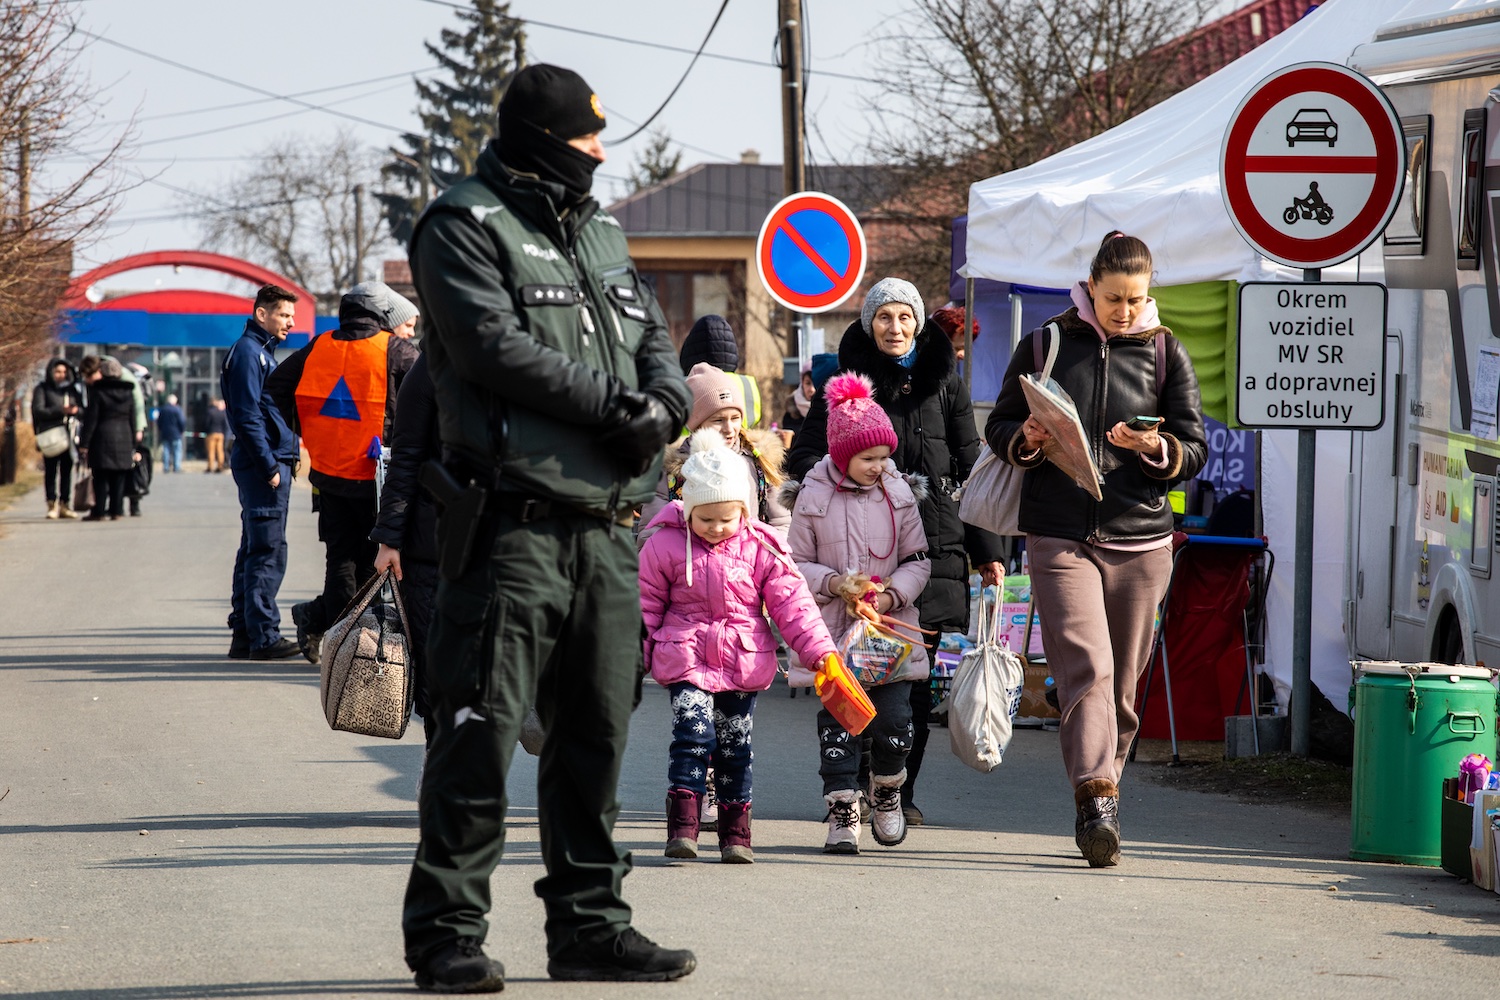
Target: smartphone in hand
column 1139, row 423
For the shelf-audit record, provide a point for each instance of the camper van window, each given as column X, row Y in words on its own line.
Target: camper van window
column 1404, row 236
column 1470, row 202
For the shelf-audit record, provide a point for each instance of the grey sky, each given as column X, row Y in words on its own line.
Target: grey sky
column 293, row 46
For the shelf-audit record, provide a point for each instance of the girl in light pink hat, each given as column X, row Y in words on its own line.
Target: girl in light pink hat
column 856, row 520
column 718, row 404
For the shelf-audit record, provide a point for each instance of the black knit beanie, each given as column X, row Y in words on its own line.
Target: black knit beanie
column 555, row 100
column 542, row 109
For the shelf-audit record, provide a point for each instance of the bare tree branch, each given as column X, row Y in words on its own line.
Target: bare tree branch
column 47, row 212
column 987, row 86
column 292, row 210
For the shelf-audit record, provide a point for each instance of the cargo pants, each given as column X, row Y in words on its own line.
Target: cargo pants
column 546, row 612
column 260, row 563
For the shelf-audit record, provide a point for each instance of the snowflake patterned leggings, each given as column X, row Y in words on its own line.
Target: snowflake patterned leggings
column 711, row 729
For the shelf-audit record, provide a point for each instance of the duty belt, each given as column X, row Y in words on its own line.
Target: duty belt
column 531, row 509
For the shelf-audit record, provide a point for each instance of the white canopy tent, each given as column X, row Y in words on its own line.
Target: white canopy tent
column 1156, row 176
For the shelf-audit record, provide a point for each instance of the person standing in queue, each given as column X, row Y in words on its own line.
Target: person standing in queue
column 557, row 389
column 57, row 402
column 339, row 395
column 1100, row 568
column 262, row 462
column 215, row 426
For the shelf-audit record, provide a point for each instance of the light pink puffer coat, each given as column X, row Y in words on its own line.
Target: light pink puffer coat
column 838, row 530
column 703, row 618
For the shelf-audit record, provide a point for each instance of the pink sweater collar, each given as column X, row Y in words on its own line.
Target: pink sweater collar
column 1149, row 319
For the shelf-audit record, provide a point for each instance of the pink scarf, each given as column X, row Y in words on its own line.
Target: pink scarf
column 1149, row 318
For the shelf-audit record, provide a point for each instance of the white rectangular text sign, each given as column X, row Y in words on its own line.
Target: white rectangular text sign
column 1311, row 355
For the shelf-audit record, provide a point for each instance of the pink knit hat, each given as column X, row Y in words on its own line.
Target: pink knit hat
column 713, row 390
column 856, row 422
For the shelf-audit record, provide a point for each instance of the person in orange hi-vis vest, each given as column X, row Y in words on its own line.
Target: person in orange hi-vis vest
column 339, row 394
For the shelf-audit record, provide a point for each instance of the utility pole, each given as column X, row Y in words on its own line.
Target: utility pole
column 359, row 233
column 793, row 170
column 424, row 173
column 23, row 173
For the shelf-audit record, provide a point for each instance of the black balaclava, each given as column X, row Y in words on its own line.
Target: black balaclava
column 543, row 107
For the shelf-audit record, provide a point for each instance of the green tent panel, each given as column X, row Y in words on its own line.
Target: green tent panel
column 1202, row 316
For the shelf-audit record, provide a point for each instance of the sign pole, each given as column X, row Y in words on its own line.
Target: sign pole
column 1311, row 169
column 1307, row 471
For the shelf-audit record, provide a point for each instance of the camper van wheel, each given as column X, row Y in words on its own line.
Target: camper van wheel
column 1448, row 643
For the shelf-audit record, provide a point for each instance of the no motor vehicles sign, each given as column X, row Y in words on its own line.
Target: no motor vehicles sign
column 1311, row 355
column 1312, row 165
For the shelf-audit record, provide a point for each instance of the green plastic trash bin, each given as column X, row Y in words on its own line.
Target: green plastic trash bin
column 1413, row 723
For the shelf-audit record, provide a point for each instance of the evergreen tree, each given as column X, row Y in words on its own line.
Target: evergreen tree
column 457, row 110
column 656, row 162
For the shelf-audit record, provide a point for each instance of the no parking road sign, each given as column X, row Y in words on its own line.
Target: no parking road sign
column 1312, row 165
column 811, row 252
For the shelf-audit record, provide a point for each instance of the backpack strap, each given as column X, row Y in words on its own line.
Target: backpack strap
column 1044, row 368
column 1161, row 365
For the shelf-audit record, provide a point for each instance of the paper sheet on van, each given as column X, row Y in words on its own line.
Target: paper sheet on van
column 1486, row 394
column 1069, row 447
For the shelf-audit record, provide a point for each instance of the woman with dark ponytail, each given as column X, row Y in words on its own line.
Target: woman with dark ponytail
column 1100, row 567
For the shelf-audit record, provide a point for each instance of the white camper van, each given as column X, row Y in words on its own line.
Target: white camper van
column 1422, row 581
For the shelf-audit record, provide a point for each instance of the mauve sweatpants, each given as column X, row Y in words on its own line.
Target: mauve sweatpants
column 1097, row 608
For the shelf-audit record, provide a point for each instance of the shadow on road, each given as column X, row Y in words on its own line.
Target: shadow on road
column 342, row 987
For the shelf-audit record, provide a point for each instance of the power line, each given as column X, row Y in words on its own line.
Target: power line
column 681, row 80
column 246, row 124
column 642, row 42
column 237, row 83
column 685, row 145
column 267, row 100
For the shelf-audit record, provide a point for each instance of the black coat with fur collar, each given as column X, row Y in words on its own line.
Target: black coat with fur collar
column 933, row 418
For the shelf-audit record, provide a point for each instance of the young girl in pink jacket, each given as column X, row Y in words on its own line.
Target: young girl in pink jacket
column 855, row 520
column 706, row 572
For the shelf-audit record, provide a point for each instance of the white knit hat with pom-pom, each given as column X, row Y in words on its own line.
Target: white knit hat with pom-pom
column 714, row 474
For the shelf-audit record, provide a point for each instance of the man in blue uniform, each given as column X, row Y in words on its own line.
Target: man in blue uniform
column 264, row 455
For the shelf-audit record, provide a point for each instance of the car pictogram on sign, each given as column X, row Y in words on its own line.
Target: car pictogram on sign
column 1312, row 125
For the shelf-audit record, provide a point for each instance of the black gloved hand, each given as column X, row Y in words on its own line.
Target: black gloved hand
column 639, row 428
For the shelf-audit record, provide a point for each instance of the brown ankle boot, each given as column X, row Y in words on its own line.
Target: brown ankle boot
column 1097, row 830
column 734, row 833
column 682, row 823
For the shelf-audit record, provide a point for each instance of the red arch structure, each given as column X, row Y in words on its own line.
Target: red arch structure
column 187, row 300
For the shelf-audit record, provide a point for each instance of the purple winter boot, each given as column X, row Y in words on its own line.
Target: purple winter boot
column 734, row 833
column 682, row 823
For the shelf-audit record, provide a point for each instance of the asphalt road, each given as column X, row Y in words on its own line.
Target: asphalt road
column 175, row 824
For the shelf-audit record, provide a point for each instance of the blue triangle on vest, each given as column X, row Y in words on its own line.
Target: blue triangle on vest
column 340, row 403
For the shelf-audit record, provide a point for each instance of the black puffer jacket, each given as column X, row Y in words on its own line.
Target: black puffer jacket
column 933, row 418
column 408, row 515
column 1109, row 381
column 49, row 398
column 109, row 425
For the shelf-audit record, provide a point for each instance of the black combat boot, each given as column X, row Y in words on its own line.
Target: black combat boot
column 1097, row 830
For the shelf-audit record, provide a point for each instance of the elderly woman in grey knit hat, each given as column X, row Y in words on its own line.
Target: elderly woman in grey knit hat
column 911, row 362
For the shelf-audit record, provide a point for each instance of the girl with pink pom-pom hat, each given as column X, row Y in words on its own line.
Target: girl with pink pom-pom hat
column 857, row 521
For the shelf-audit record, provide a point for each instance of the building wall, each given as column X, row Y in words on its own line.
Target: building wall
column 761, row 325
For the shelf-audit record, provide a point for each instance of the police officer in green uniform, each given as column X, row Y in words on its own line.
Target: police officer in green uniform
column 557, row 388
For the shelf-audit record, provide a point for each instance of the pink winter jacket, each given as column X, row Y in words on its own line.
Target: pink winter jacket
column 841, row 529
column 711, row 632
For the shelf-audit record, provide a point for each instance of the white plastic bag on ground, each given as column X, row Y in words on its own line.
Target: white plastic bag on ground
column 985, row 695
